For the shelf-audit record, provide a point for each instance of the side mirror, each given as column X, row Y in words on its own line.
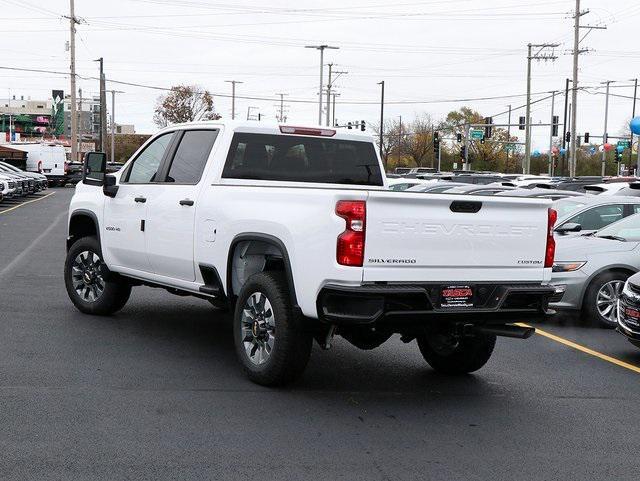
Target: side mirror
column 94, row 168
column 568, row 227
column 110, row 189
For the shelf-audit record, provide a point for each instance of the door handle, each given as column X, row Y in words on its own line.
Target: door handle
column 140, row 199
column 186, row 202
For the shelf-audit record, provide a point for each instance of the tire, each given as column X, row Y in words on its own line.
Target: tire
column 595, row 302
column 466, row 355
column 101, row 293
column 270, row 337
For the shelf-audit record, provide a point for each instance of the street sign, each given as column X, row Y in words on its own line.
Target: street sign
column 476, row 134
column 624, row 144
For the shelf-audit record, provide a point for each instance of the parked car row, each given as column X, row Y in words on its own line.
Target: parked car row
column 18, row 183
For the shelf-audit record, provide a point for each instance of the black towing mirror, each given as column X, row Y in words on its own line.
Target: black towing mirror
column 110, row 187
column 94, row 168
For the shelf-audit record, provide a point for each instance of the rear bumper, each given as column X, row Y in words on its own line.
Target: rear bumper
column 373, row 303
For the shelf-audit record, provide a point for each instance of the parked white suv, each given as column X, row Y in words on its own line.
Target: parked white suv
column 294, row 229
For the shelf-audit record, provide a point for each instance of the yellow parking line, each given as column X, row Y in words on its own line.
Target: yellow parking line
column 27, row 202
column 584, row 349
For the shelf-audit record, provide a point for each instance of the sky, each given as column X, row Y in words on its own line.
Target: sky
column 434, row 56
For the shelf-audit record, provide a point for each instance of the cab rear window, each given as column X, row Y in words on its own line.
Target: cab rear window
column 302, row 159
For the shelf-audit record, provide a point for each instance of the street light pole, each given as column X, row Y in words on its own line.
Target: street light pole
column 382, row 120
column 553, row 100
column 605, row 135
column 322, row 49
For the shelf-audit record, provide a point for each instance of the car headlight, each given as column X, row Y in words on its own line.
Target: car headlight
column 567, row 266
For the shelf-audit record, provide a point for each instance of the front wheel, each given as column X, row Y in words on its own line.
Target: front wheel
column 271, row 341
column 456, row 355
column 92, row 288
column 600, row 305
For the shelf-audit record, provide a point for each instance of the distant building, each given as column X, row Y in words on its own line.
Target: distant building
column 125, row 129
column 50, row 118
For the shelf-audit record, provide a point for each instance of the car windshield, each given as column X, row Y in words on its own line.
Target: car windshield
column 627, row 229
column 565, row 206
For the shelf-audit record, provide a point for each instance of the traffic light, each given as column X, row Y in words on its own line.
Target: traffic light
column 521, row 123
column 463, row 152
column 349, row 125
column 618, row 155
column 554, row 128
column 586, row 137
column 482, row 140
column 568, row 137
column 458, row 137
column 362, row 125
column 487, row 129
column 436, row 142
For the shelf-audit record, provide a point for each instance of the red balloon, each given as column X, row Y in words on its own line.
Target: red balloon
column 554, row 150
column 608, row 147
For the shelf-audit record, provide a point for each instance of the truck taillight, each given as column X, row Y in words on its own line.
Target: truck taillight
column 550, row 251
column 350, row 248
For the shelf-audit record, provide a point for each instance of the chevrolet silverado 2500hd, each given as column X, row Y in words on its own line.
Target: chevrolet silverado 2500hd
column 295, row 231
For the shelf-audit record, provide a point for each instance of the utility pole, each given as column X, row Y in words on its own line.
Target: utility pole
column 329, row 87
column 564, row 126
column 537, row 56
column 281, row 117
column 80, row 122
column 74, row 119
column 103, row 109
column 633, row 114
column 233, row 96
column 508, row 137
column 382, row 120
column 466, row 148
column 552, row 125
column 605, row 135
column 113, row 122
column 399, row 139
column 574, row 89
column 322, row 49
column 334, row 95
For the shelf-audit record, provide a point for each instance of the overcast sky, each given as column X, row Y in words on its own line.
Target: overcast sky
column 428, row 52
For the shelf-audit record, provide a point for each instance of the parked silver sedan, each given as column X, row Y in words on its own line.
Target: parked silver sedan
column 590, row 271
column 587, row 214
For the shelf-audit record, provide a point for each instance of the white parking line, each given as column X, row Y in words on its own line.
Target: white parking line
column 27, row 202
column 17, row 259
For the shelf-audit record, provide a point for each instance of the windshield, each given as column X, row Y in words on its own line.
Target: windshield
column 9, row 167
column 565, row 206
column 627, row 229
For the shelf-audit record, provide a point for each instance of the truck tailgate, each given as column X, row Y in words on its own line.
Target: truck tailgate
column 439, row 237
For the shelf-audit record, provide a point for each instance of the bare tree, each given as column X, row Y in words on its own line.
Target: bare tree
column 419, row 141
column 184, row 103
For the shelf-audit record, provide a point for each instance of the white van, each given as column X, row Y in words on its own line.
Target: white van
column 47, row 159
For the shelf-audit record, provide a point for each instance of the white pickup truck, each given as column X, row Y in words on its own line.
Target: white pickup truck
column 295, row 231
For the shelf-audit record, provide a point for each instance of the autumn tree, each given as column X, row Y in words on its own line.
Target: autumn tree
column 184, row 103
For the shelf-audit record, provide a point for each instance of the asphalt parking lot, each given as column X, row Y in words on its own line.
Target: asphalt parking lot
column 155, row 392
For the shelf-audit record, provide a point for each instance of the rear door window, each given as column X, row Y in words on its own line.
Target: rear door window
column 191, row 156
column 302, row 159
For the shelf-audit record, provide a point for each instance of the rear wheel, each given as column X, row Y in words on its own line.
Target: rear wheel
column 600, row 305
column 456, row 355
column 269, row 335
column 92, row 288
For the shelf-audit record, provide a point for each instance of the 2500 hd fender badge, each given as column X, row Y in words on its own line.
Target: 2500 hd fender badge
column 391, row 261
